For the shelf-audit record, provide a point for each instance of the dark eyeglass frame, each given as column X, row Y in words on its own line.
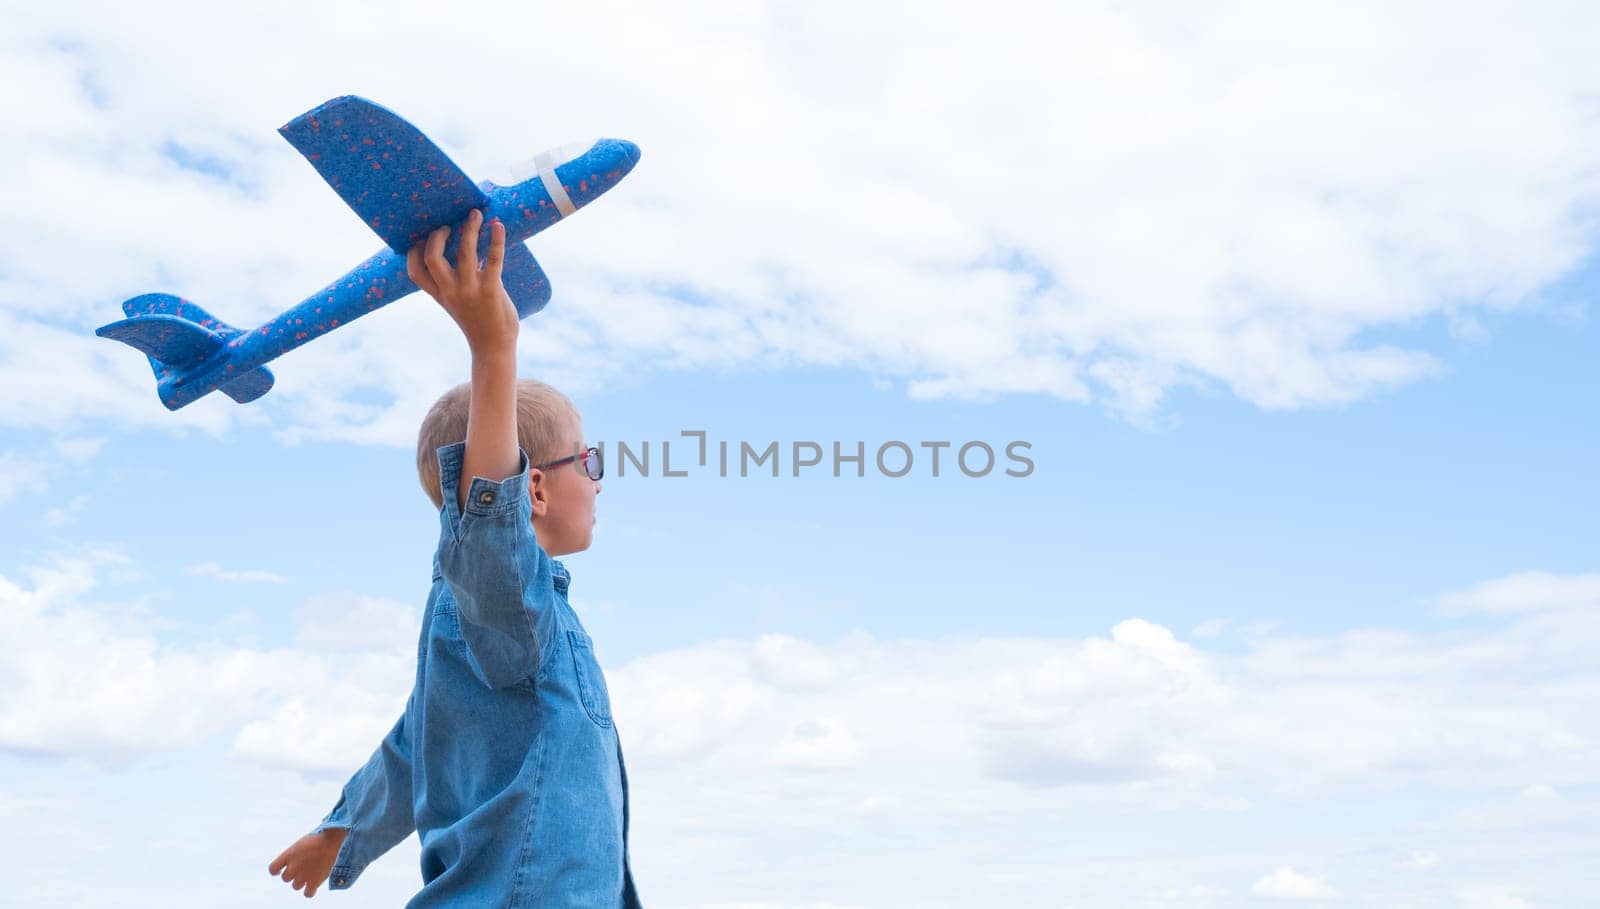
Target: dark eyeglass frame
column 586, row 458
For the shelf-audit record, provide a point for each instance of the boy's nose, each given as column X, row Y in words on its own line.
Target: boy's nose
column 597, row 487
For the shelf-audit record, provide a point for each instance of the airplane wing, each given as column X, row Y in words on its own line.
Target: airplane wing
column 524, row 280
column 398, row 181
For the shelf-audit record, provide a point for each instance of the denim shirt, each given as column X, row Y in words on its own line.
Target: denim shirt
column 506, row 761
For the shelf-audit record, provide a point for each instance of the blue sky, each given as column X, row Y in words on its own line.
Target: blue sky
column 1298, row 603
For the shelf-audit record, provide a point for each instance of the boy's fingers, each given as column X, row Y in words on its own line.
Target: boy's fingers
column 418, row 272
column 311, row 890
column 438, row 268
column 497, row 251
column 414, row 265
column 467, row 250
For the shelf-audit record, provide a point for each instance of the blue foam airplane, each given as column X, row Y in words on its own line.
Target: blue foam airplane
column 403, row 187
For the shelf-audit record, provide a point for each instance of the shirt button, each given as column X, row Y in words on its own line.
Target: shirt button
column 485, row 498
column 339, row 881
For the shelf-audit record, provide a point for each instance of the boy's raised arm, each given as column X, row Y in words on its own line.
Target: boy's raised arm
column 499, row 575
column 478, row 302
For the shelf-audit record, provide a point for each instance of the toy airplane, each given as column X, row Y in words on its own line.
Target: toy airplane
column 403, row 187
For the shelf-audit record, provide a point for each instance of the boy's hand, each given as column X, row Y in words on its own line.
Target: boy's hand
column 308, row 862
column 475, row 298
column 478, row 302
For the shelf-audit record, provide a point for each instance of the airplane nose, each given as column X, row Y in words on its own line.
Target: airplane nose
column 619, row 153
column 630, row 151
column 572, row 176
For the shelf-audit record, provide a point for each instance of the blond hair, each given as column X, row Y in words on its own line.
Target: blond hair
column 544, row 417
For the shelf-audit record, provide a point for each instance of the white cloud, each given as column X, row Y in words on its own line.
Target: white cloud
column 788, row 661
column 19, row 808
column 765, row 905
column 15, row 474
column 1540, row 791
column 1196, row 896
column 1230, row 196
column 97, row 680
column 1289, row 884
column 1491, row 898
column 93, row 679
column 354, row 622
column 63, row 515
column 1526, row 592
column 235, row 576
column 818, row 743
column 1419, row 861
column 708, row 692
column 326, row 721
column 32, row 472
column 988, row 745
column 1143, row 712
column 79, row 450
column 1132, row 714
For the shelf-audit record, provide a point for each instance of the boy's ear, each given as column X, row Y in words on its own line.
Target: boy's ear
column 538, row 491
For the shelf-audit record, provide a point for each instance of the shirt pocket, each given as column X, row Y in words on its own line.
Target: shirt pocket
column 591, row 681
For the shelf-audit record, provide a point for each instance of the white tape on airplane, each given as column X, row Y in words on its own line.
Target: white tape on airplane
column 552, row 184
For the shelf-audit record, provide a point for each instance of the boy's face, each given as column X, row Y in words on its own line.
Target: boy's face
column 563, row 501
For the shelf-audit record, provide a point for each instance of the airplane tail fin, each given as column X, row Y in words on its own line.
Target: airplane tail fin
column 179, row 336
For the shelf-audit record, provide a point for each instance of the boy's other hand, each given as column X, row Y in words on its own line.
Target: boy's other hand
column 308, row 862
column 475, row 298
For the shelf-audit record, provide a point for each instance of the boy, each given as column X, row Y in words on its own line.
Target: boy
column 506, row 760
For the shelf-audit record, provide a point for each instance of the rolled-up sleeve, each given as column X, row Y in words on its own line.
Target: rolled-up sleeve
column 502, row 580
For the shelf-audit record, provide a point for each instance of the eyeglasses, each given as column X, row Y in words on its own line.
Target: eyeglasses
column 588, row 462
